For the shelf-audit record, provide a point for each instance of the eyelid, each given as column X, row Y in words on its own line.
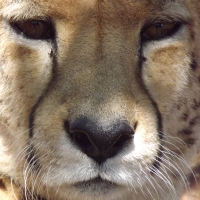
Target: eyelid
column 165, row 19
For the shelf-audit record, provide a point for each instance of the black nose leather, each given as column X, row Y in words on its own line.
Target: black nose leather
column 97, row 141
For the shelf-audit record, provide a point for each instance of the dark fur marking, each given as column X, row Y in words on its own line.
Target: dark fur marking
column 196, row 104
column 190, row 141
column 195, row 180
column 193, row 65
column 179, row 106
column 186, row 132
column 185, row 117
column 157, row 163
column 2, row 185
column 32, row 160
column 194, row 121
column 192, row 35
column 32, row 197
column 199, row 79
column 51, row 53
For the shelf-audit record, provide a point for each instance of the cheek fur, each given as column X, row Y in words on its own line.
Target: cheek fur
column 166, row 72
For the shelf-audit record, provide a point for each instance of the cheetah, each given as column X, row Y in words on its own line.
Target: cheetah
column 99, row 99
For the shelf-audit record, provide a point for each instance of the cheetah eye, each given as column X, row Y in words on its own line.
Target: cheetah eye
column 34, row 29
column 160, row 30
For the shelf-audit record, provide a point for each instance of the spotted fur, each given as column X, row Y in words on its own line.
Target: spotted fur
column 97, row 66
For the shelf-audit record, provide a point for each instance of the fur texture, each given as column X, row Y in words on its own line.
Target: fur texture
column 96, row 64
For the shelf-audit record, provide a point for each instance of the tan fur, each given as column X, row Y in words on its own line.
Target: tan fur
column 93, row 68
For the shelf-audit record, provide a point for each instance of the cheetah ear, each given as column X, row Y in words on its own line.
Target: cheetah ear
column 9, row 190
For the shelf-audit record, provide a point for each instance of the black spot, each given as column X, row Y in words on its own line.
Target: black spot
column 196, row 104
column 185, row 117
column 196, row 170
column 52, row 53
column 186, row 132
column 199, row 79
column 190, row 141
column 194, row 121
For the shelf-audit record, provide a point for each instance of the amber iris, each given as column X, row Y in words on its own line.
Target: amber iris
column 160, row 30
column 34, row 29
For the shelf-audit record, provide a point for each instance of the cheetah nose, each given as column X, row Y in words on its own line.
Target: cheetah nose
column 97, row 141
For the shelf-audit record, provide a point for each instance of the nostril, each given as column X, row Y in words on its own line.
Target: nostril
column 122, row 140
column 80, row 138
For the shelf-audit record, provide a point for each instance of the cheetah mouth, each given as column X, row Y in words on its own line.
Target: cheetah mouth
column 95, row 185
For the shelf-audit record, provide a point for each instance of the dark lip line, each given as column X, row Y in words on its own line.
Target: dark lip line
column 97, row 180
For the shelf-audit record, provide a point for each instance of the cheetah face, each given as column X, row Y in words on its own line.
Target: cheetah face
column 91, row 92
